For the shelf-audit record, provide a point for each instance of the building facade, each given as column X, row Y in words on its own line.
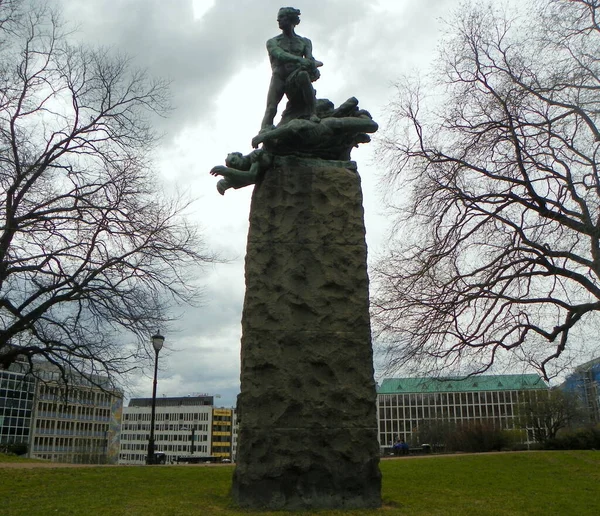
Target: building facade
column 406, row 403
column 188, row 426
column 183, row 427
column 17, row 393
column 77, row 424
column 223, row 430
column 585, row 383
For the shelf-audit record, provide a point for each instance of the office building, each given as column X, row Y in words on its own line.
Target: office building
column 406, row 403
column 74, row 423
column 183, row 427
column 78, row 423
column 17, row 392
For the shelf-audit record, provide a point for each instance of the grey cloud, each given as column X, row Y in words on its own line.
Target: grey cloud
column 197, row 56
column 200, row 56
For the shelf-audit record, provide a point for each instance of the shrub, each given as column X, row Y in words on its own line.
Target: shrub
column 580, row 439
column 472, row 436
column 479, row 436
column 14, row 448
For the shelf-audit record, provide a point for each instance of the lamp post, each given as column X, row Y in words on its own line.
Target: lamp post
column 157, row 343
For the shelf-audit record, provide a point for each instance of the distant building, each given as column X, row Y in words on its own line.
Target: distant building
column 78, row 423
column 405, row 403
column 184, row 426
column 585, row 383
column 223, row 424
column 17, row 392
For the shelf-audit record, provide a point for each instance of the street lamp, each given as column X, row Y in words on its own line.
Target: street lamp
column 157, row 343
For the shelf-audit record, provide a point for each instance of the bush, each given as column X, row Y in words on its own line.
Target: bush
column 580, row 439
column 14, row 448
column 479, row 437
column 472, row 436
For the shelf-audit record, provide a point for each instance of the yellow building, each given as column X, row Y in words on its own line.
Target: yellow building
column 222, row 433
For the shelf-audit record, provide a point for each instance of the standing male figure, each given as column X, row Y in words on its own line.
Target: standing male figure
column 294, row 69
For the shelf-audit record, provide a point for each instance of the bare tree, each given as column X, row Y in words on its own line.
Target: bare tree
column 90, row 249
column 497, row 250
column 545, row 413
column 9, row 10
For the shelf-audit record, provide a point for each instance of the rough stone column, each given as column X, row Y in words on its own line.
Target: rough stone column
column 308, row 430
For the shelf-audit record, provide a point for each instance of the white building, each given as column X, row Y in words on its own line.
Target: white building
column 404, row 404
column 75, row 423
column 79, row 424
column 183, row 428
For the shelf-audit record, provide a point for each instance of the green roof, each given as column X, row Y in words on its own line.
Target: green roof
column 503, row 382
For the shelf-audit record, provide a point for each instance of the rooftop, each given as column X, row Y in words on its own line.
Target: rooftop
column 504, row 382
column 588, row 365
column 187, row 401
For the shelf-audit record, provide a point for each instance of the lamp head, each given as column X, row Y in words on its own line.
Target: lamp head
column 157, row 341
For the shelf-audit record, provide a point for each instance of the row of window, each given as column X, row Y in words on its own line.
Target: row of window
column 400, row 414
column 7, row 433
column 452, row 398
column 49, row 409
column 61, row 425
column 221, row 438
column 445, row 412
column 15, row 394
column 69, row 442
column 12, row 422
column 166, row 416
column 164, row 437
column 14, row 412
column 75, row 395
column 199, row 448
column 164, row 427
column 21, row 403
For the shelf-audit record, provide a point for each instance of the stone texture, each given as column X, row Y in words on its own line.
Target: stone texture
column 308, row 430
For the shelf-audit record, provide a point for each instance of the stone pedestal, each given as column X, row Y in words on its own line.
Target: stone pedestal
column 308, row 429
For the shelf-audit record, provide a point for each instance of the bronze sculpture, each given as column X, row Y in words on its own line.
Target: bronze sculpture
column 309, row 127
column 294, row 70
column 240, row 170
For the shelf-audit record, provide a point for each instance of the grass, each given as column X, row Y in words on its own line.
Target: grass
column 14, row 458
column 535, row 483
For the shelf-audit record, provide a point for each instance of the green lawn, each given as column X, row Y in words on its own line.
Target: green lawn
column 544, row 483
column 13, row 458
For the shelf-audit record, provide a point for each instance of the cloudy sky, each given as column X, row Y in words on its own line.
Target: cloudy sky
column 213, row 52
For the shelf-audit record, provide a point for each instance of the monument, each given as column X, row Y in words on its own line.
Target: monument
column 308, row 430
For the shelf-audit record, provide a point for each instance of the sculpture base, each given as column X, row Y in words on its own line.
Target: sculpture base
column 302, row 469
column 308, row 428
